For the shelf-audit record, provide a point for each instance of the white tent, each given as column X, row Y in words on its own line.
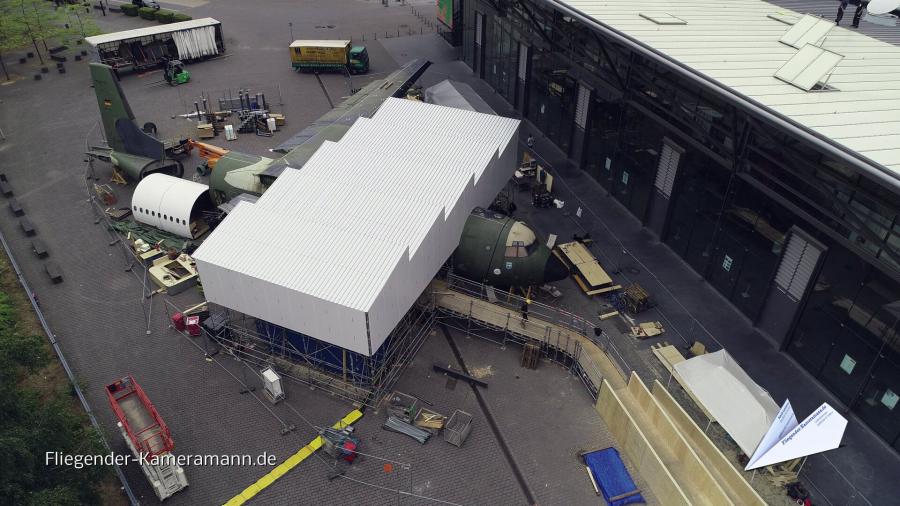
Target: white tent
column 743, row 408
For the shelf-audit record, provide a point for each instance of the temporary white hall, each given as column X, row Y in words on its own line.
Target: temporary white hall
column 341, row 249
column 195, row 38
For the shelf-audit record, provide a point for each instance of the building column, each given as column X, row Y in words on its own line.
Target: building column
column 479, row 45
column 582, row 113
column 666, row 171
column 801, row 259
column 522, row 78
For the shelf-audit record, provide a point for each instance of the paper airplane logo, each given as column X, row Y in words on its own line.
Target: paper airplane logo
column 786, row 439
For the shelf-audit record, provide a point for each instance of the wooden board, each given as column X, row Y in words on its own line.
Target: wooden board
column 604, row 290
column 582, row 260
column 596, row 364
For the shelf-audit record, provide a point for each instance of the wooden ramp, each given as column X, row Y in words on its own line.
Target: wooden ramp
column 593, row 361
column 680, row 466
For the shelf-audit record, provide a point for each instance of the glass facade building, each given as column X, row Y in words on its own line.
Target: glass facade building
column 805, row 245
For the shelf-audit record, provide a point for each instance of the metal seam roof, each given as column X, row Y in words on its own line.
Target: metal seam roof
column 363, row 226
column 150, row 30
column 736, row 44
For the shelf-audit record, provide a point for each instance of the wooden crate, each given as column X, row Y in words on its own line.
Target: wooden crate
column 531, row 354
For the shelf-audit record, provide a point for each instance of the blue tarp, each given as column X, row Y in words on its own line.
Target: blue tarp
column 612, row 478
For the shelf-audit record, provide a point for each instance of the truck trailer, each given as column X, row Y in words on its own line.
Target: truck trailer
column 147, row 436
column 329, row 55
column 152, row 47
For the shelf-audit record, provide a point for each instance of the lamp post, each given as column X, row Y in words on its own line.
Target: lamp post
column 291, row 27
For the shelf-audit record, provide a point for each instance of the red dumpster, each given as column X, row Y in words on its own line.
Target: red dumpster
column 178, row 322
column 193, row 325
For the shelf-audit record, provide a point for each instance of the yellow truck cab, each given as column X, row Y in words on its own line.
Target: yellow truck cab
column 328, row 55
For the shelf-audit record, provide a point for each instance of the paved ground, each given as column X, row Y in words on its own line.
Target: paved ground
column 861, row 472
column 107, row 329
column 101, row 322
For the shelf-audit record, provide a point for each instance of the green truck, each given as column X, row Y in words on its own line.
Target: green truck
column 329, row 55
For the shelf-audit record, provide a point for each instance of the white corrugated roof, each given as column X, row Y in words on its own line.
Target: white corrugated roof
column 150, row 30
column 319, row 43
column 364, row 225
column 737, row 44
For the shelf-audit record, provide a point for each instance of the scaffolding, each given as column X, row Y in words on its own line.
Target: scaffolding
column 356, row 378
column 560, row 335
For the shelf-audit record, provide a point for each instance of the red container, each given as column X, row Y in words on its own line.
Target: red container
column 193, row 325
column 178, row 322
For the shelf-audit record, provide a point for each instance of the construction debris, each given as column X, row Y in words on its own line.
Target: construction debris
column 647, row 329
column 395, row 424
column 402, row 406
column 430, row 420
column 153, row 236
column 607, row 316
column 449, row 371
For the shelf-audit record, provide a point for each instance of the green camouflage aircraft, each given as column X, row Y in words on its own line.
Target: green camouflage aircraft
column 494, row 248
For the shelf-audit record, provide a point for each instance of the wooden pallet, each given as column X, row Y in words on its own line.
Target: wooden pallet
column 531, row 353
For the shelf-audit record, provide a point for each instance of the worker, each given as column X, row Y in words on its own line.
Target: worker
column 857, row 15
column 524, row 310
column 530, row 141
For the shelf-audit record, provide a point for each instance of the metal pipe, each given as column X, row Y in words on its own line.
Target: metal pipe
column 871, row 167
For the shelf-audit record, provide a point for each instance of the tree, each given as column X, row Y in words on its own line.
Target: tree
column 11, row 34
column 34, row 422
column 22, row 21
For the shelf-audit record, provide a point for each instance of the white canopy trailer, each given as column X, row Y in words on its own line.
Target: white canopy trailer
column 743, row 408
column 147, row 47
column 341, row 249
column 171, row 204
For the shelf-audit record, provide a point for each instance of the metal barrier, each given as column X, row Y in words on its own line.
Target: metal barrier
column 65, row 365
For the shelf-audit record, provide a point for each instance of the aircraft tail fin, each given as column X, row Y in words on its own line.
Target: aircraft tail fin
column 122, row 133
column 112, row 103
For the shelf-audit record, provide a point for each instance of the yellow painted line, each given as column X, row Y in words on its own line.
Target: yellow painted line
column 290, row 463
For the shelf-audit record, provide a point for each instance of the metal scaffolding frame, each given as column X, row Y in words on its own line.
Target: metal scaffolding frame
column 362, row 380
column 558, row 348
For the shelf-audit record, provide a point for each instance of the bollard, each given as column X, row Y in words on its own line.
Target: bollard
column 37, row 77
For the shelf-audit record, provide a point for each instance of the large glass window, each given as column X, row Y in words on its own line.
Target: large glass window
column 635, row 167
column 879, row 405
column 603, row 135
column 469, row 33
column 834, row 193
column 552, row 96
column 697, row 203
column 748, row 244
